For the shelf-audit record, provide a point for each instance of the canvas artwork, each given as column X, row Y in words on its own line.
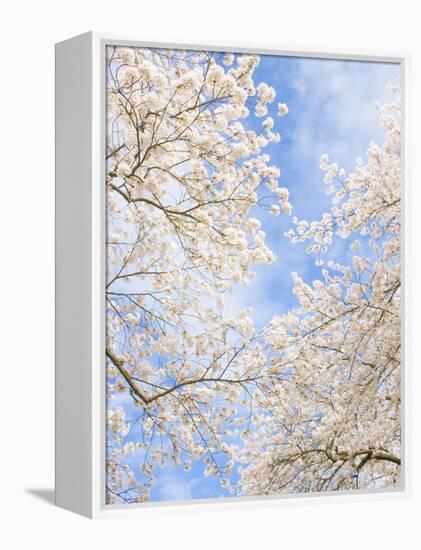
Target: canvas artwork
column 253, row 276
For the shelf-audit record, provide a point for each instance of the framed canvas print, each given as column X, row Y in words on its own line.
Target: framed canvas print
column 229, row 274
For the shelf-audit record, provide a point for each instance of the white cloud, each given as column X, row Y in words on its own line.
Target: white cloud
column 172, row 487
column 335, row 108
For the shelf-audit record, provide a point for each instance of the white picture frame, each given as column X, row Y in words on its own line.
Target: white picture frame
column 80, row 274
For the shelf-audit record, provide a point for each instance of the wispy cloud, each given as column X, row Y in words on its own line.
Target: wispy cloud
column 174, row 487
column 335, row 107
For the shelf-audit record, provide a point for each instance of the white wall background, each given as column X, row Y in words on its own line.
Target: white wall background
column 28, row 32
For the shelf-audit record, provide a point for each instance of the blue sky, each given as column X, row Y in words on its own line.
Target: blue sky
column 331, row 110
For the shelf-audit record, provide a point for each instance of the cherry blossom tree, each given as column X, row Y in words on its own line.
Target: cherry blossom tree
column 311, row 403
column 330, row 418
column 183, row 175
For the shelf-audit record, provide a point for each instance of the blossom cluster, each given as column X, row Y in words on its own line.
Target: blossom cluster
column 185, row 179
column 334, row 421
